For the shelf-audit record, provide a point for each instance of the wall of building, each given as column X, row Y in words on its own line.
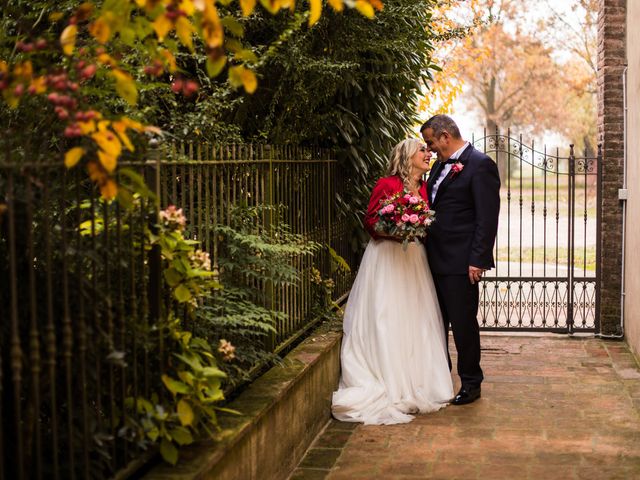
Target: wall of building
column 632, row 257
column 611, row 61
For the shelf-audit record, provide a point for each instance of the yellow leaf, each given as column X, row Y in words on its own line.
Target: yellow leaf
column 39, row 85
column 187, row 7
column 68, row 39
column 184, row 30
column 214, row 67
column 365, row 8
column 185, row 413
column 73, row 156
column 162, row 25
column 235, row 75
column 100, row 30
column 272, row 6
column 247, row 7
column 132, row 124
column 55, row 16
column 109, row 189
column 87, row 127
column 212, row 30
column 106, row 59
column 126, row 86
column 121, row 129
column 109, row 162
column 108, row 142
column 337, row 5
column 249, row 80
column 316, row 11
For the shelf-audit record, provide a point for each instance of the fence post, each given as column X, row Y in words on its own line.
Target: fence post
column 269, row 290
column 571, row 226
column 154, row 292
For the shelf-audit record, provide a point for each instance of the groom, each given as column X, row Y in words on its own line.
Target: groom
column 463, row 188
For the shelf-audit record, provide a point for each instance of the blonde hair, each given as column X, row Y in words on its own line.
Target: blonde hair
column 399, row 160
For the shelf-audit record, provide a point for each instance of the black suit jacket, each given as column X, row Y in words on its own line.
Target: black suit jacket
column 467, row 205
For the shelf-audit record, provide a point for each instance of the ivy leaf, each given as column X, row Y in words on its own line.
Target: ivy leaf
column 168, row 451
column 182, row 294
column 185, row 414
column 73, row 156
column 174, row 386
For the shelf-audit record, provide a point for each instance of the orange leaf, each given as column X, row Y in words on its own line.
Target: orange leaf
column 316, row 11
column 365, row 8
column 73, row 156
column 162, row 25
column 101, row 29
column 121, row 129
column 187, row 7
column 39, row 85
column 109, row 162
column 247, row 7
column 249, row 80
column 108, row 142
column 337, row 5
column 68, row 39
column 109, row 189
column 212, row 30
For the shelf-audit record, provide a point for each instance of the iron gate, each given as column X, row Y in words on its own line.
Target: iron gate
column 547, row 275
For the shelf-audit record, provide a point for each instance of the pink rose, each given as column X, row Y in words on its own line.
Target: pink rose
column 407, row 196
column 390, row 208
column 414, row 200
column 413, row 218
column 405, row 218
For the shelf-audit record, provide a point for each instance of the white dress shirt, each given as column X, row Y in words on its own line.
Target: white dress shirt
column 446, row 169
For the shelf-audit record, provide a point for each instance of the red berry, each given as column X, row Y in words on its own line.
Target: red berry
column 41, row 44
column 176, row 86
column 89, row 71
column 18, row 90
column 80, row 65
column 3, row 84
column 62, row 113
column 190, row 87
column 53, row 98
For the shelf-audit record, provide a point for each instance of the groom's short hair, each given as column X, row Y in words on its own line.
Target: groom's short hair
column 442, row 123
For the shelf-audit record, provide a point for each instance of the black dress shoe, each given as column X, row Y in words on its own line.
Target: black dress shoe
column 465, row 396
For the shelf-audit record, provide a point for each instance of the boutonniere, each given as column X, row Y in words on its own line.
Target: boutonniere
column 456, row 168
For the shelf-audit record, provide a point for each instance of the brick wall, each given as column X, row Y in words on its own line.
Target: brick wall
column 611, row 61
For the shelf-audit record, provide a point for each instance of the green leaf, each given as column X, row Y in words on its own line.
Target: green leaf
column 192, row 361
column 168, row 451
column 153, row 434
column 228, row 410
column 181, row 435
column 213, row 372
column 172, row 276
column 185, row 413
column 175, row 386
column 182, row 294
column 214, row 67
column 233, row 25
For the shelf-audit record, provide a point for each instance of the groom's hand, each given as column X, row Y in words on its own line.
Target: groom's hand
column 475, row 274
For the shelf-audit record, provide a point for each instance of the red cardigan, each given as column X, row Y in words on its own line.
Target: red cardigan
column 385, row 187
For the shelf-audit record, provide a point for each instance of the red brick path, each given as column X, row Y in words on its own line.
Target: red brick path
column 551, row 408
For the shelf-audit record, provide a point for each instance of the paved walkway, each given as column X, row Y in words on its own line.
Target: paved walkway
column 551, row 408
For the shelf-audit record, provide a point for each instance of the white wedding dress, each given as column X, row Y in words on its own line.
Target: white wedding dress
column 394, row 360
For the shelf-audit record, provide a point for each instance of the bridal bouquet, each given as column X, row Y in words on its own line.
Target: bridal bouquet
column 404, row 216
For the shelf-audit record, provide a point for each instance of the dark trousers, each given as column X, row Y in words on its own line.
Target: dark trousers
column 458, row 300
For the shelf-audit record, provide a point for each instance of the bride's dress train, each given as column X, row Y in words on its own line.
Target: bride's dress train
column 394, row 359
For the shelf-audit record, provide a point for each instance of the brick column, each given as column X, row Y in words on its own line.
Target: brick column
column 611, row 61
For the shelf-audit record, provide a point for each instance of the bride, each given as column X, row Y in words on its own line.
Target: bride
column 394, row 356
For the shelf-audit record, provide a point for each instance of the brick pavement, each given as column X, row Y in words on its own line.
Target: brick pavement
column 551, row 408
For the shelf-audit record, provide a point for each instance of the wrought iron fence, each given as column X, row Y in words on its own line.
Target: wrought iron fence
column 547, row 275
column 80, row 296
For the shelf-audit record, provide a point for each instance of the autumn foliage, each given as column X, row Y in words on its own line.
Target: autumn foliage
column 91, row 46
